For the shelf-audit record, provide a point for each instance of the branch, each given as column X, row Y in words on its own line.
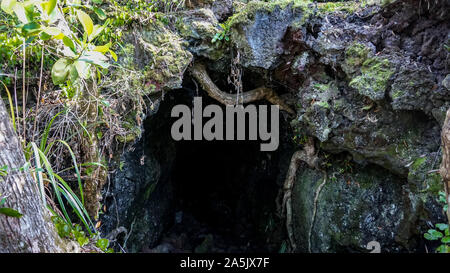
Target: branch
column 199, row 72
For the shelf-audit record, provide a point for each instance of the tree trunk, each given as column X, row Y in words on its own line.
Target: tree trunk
column 33, row 232
column 445, row 165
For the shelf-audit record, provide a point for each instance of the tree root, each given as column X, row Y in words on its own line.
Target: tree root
column 316, row 198
column 199, row 72
column 309, row 156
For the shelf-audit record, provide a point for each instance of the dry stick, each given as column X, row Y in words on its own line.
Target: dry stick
column 39, row 91
column 201, row 75
column 15, row 95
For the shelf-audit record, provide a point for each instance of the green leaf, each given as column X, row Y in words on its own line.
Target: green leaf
column 100, row 13
column 10, row 212
column 82, row 69
column 442, row 226
column 429, row 237
column 113, row 55
column 73, row 73
column 52, row 31
column 433, row 234
column 446, row 240
column 443, row 249
column 19, row 10
column 69, row 43
column 4, row 170
column 49, row 6
column 8, row 6
column 102, row 244
column 97, row 29
column 436, row 233
column 61, row 70
column 103, row 49
column 97, row 1
column 95, row 57
column 83, row 241
column 85, row 21
column 31, row 29
column 2, row 202
column 45, row 36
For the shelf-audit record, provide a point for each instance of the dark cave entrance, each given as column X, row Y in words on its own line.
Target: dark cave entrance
column 224, row 194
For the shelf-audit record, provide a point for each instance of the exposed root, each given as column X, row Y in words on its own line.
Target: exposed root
column 316, row 198
column 309, row 156
column 199, row 72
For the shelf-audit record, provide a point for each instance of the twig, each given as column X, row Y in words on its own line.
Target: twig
column 39, row 91
column 23, row 90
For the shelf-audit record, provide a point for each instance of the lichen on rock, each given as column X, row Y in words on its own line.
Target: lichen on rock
column 373, row 81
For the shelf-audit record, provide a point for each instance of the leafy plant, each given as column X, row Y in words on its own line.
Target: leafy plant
column 4, row 170
column 60, row 187
column 224, row 34
column 46, row 20
column 103, row 244
column 443, row 200
column 4, row 210
column 441, row 232
column 8, row 211
column 75, row 232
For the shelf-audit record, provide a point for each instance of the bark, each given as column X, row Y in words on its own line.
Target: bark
column 94, row 181
column 33, row 232
column 199, row 72
column 445, row 164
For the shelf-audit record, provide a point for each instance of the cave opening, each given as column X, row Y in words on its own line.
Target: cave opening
column 224, row 194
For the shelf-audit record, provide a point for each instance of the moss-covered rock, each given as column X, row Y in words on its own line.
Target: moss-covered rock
column 355, row 55
column 375, row 74
column 168, row 59
column 357, row 205
column 258, row 29
column 199, row 27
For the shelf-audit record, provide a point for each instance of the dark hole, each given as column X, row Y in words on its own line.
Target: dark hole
column 224, row 196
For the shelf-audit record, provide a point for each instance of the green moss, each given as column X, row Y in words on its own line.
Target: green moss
column 375, row 74
column 168, row 57
column 247, row 13
column 323, row 104
column 321, row 87
column 418, row 162
column 397, row 94
column 356, row 54
column 433, row 183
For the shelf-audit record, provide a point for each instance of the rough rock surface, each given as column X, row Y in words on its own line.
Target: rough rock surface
column 139, row 196
column 370, row 84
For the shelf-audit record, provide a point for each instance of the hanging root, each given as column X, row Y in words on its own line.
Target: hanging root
column 309, row 156
column 199, row 72
column 316, row 198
